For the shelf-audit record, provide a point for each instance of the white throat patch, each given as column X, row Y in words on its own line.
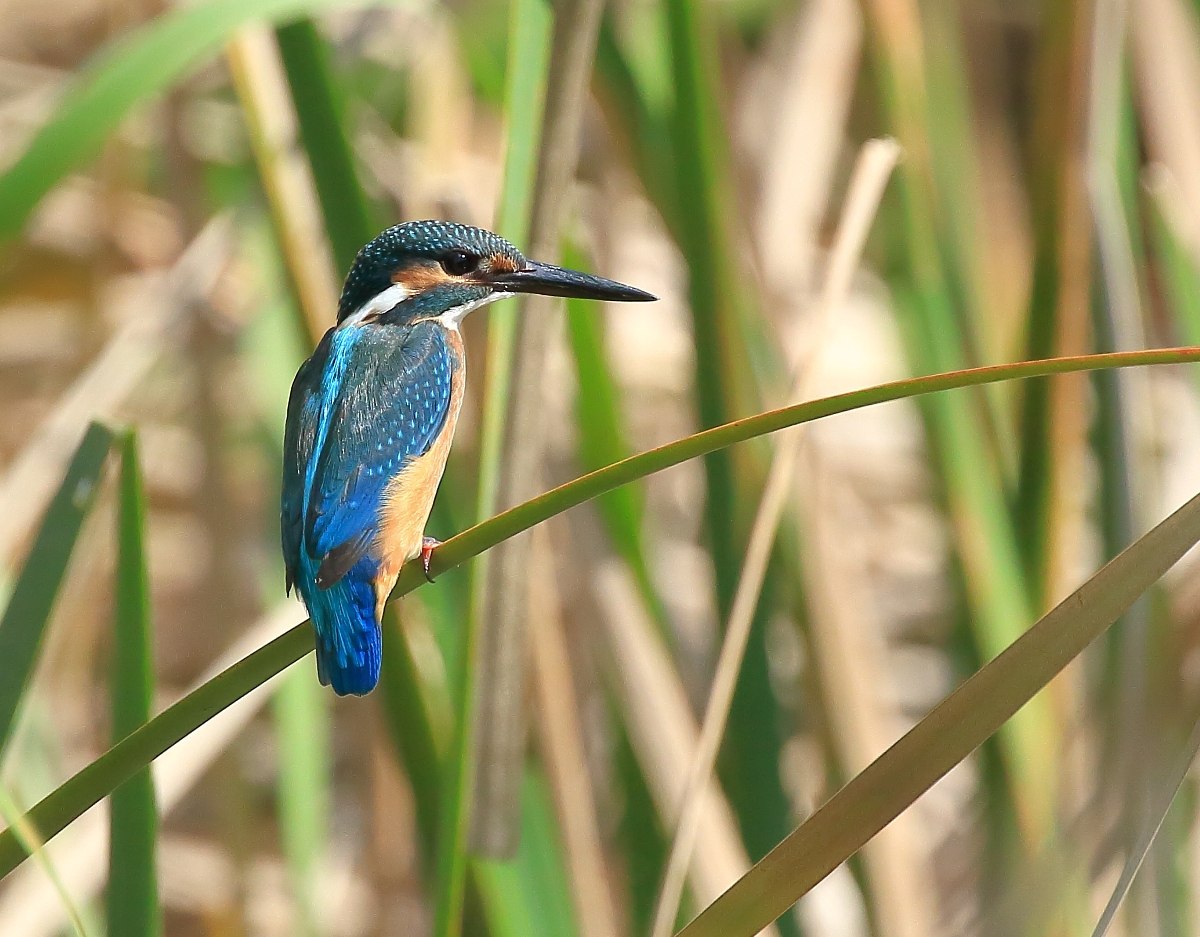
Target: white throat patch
column 395, row 294
column 451, row 317
column 378, row 304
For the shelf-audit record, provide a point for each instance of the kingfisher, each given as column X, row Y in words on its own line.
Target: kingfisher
column 370, row 419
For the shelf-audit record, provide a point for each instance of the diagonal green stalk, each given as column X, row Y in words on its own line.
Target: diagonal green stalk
column 98, row 779
column 132, row 899
column 951, row 731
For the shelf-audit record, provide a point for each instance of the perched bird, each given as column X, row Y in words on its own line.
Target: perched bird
column 370, row 419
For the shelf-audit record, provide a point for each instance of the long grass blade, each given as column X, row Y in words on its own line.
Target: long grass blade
column 937, row 339
column 99, row 778
column 529, row 896
column 1053, row 427
column 23, row 624
column 561, row 744
column 409, row 721
column 724, row 326
column 131, row 70
column 955, row 728
column 132, row 900
column 28, row 908
column 1180, row 264
column 602, row 436
column 320, row 113
column 519, row 898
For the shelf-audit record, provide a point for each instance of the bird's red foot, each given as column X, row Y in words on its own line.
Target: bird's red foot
column 428, row 545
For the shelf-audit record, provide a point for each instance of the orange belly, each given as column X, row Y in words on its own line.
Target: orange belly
column 408, row 498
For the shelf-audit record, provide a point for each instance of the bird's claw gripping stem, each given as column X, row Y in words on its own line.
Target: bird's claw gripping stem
column 428, row 545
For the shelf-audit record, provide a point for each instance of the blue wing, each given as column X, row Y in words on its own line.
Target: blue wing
column 303, row 416
column 371, row 398
column 374, row 396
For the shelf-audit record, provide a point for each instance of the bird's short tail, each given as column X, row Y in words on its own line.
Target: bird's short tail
column 349, row 646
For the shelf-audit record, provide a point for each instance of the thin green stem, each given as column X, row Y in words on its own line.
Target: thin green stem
column 135, row 751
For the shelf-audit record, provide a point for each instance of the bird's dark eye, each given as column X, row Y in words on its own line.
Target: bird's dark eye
column 459, row 263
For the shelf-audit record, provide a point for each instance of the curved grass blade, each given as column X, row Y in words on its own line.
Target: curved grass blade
column 132, row 900
column 24, row 622
column 88, row 786
column 127, row 72
column 955, row 728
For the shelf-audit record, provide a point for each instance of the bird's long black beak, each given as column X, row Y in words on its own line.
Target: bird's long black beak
column 550, row 280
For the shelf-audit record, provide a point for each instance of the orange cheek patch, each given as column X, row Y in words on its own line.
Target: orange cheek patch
column 420, row 276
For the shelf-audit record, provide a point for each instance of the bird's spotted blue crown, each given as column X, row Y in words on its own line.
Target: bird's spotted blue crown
column 373, row 267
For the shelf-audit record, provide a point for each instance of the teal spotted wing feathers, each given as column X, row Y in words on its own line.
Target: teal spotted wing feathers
column 371, row 399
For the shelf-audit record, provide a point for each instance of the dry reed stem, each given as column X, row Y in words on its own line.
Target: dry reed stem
column 852, row 658
column 816, row 90
column 871, row 173
column 1067, row 436
column 1140, row 484
column 262, row 88
column 499, row 716
column 662, row 730
column 563, row 754
column 1166, row 44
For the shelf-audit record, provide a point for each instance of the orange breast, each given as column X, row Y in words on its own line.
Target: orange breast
column 408, row 498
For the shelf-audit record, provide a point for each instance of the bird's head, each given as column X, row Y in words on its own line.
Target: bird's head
column 429, row 269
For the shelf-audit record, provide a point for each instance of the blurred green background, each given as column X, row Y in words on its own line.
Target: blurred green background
column 182, row 189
